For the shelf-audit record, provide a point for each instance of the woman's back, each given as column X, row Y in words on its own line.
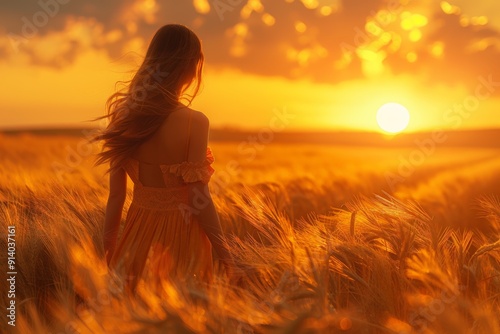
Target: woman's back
column 170, row 145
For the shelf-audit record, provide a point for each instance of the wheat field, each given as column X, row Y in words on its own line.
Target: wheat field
column 332, row 240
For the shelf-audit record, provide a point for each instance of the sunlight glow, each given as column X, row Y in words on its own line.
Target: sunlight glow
column 449, row 8
column 479, row 20
column 437, row 49
column 147, row 9
column 310, row 4
column 202, row 6
column 326, row 10
column 300, row 26
column 372, row 62
column 415, row 35
column 393, row 117
column 268, row 19
column 412, row 57
column 412, row 21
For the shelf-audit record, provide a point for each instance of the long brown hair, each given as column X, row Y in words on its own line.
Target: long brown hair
column 173, row 62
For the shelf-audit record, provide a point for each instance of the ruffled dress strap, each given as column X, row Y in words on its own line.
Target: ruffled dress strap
column 193, row 171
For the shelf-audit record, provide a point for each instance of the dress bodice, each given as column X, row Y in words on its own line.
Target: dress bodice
column 176, row 178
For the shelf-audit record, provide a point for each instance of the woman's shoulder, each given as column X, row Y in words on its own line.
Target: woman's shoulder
column 183, row 125
column 198, row 116
column 186, row 114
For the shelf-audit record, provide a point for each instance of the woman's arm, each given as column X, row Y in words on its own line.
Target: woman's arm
column 114, row 208
column 200, row 200
column 204, row 209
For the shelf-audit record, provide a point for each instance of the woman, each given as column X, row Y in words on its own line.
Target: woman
column 171, row 224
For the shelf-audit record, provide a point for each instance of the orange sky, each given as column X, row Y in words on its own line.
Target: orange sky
column 330, row 63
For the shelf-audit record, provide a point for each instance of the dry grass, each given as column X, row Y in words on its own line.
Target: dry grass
column 328, row 247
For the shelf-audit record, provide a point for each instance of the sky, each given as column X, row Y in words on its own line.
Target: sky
column 331, row 64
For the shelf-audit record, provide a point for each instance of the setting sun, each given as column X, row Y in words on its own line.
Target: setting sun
column 393, row 117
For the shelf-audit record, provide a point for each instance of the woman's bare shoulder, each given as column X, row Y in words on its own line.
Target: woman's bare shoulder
column 198, row 117
column 183, row 115
column 180, row 117
column 177, row 124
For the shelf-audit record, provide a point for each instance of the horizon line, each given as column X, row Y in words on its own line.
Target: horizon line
column 227, row 128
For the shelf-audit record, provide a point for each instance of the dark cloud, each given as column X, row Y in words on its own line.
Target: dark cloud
column 24, row 22
column 460, row 63
column 266, row 49
column 14, row 13
column 266, row 46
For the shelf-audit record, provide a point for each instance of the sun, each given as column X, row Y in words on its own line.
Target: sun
column 393, row 117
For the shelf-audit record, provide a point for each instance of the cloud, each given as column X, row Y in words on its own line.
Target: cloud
column 43, row 30
column 326, row 41
column 360, row 39
column 454, row 51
